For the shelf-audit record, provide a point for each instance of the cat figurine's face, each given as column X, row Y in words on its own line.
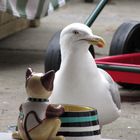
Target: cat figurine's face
column 39, row 85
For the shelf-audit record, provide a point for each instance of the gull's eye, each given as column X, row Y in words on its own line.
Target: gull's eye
column 75, row 32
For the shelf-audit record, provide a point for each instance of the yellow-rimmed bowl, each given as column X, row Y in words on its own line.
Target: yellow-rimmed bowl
column 80, row 123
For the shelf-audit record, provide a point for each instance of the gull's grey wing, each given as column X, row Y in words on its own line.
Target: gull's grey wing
column 113, row 88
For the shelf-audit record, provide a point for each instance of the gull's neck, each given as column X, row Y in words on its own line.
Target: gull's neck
column 77, row 59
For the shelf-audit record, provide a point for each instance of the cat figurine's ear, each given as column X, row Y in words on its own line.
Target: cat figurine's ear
column 28, row 73
column 47, row 80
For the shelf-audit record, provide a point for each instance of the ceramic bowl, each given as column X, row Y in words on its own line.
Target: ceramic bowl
column 80, row 123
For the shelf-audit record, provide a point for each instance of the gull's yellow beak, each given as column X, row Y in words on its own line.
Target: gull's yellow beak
column 96, row 40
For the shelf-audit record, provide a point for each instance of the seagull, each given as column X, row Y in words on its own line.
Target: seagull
column 79, row 81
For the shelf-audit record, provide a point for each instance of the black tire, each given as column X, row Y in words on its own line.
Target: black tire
column 89, row 1
column 126, row 39
column 53, row 55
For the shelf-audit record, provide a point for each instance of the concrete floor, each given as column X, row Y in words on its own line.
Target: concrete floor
column 27, row 48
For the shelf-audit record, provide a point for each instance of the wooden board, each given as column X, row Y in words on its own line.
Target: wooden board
column 13, row 26
column 10, row 24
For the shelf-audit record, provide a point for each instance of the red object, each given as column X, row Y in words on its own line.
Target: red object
column 123, row 68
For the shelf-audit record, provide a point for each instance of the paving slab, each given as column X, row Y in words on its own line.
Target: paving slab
column 7, row 136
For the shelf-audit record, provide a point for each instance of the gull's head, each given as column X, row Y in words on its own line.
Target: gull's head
column 79, row 35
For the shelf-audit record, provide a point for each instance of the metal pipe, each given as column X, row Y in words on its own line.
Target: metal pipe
column 92, row 17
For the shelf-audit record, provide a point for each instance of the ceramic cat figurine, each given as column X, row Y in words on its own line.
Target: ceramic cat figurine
column 39, row 120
